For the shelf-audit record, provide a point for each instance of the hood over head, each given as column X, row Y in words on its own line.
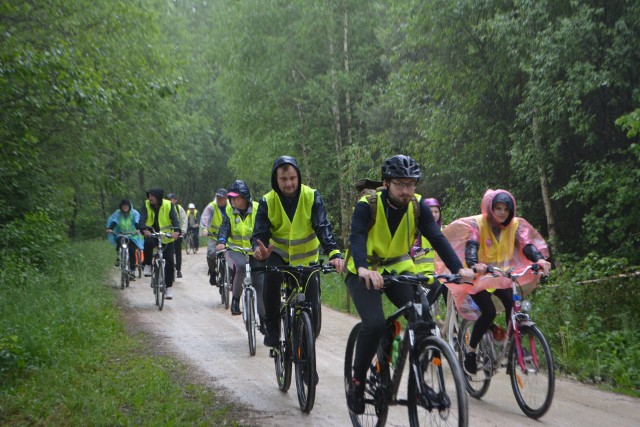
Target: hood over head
column 125, row 202
column 280, row 161
column 490, row 199
column 239, row 188
column 157, row 192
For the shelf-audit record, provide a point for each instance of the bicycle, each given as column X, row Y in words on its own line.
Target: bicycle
column 123, row 249
column 297, row 344
column 249, row 302
column 158, row 280
column 223, row 277
column 435, row 392
column 529, row 361
column 188, row 240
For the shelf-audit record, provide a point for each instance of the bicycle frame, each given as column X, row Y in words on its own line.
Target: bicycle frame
column 158, row 263
column 248, row 292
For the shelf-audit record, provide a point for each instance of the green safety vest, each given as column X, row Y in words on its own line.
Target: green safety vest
column 216, row 220
column 385, row 252
column 242, row 229
column 295, row 241
column 164, row 218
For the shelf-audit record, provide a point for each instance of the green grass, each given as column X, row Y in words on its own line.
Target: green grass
column 66, row 357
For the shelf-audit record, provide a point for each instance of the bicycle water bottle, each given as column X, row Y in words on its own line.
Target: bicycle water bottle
column 395, row 350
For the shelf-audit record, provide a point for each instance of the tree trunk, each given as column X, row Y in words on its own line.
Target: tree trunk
column 546, row 199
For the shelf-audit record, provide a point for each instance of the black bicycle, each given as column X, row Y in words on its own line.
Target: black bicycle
column 436, row 392
column 123, row 251
column 158, row 280
column 297, row 344
column 223, row 277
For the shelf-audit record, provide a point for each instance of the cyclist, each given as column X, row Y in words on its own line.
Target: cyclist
column 159, row 215
column 496, row 237
column 125, row 220
column 236, row 230
column 193, row 224
column 182, row 216
column 380, row 245
column 424, row 260
column 292, row 221
column 210, row 223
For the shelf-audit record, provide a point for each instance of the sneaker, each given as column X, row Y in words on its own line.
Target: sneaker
column 168, row 294
column 212, row 280
column 235, row 306
column 117, row 264
column 272, row 335
column 355, row 396
column 470, row 363
column 179, row 275
column 132, row 274
column 147, row 271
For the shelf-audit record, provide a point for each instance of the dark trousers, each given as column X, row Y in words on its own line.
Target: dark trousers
column 271, row 292
column 488, row 312
column 178, row 251
column 196, row 233
column 368, row 302
column 167, row 254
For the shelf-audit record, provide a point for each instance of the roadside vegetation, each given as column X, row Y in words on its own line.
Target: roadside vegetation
column 68, row 358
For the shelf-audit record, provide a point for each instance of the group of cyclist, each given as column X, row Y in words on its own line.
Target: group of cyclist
column 390, row 229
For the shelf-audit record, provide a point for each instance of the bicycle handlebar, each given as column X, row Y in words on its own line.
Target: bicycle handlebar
column 419, row 279
column 496, row 271
column 160, row 234
column 324, row 268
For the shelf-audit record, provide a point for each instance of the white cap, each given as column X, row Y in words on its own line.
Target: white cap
column 192, row 206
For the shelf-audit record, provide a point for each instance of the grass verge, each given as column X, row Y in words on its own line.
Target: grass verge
column 66, row 357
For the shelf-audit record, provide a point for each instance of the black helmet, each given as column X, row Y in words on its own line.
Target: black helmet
column 400, row 166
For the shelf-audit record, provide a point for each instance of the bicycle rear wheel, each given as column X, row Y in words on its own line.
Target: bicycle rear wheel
column 162, row 286
column 304, row 355
column 376, row 385
column 250, row 321
column 533, row 383
column 283, row 357
column 477, row 384
column 443, row 401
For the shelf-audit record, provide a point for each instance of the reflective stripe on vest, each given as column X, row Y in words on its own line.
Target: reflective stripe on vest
column 386, row 252
column 242, row 229
column 164, row 218
column 424, row 263
column 295, row 242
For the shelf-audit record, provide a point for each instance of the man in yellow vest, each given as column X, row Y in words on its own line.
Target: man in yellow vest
column 236, row 231
column 381, row 245
column 291, row 225
column 193, row 225
column 210, row 223
column 159, row 215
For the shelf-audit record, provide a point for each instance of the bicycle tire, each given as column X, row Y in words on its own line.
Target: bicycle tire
column 154, row 284
column 376, row 385
column 283, row 357
column 442, row 375
column 162, row 285
column 317, row 317
column 227, row 288
column 477, row 384
column 250, row 322
column 534, row 387
column 304, row 355
column 187, row 243
column 124, row 263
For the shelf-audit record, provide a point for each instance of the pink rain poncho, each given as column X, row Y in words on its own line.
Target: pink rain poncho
column 515, row 233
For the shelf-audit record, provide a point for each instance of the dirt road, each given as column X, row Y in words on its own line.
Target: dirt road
column 196, row 328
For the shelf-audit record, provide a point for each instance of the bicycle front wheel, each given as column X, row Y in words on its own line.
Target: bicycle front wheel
column 376, row 385
column 304, row 354
column 250, row 320
column 437, row 396
column 162, row 286
column 188, row 245
column 283, row 357
column 533, row 379
column 477, row 384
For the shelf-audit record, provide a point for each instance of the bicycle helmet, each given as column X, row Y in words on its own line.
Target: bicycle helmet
column 400, row 166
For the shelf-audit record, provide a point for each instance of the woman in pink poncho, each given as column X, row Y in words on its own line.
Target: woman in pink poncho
column 496, row 238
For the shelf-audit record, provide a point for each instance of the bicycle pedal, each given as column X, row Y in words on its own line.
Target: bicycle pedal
column 273, row 353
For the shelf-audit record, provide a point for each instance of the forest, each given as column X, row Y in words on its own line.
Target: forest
column 102, row 100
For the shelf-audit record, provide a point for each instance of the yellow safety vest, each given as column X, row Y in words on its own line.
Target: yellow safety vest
column 216, row 220
column 295, row 242
column 242, row 229
column 492, row 251
column 164, row 218
column 425, row 263
column 385, row 252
